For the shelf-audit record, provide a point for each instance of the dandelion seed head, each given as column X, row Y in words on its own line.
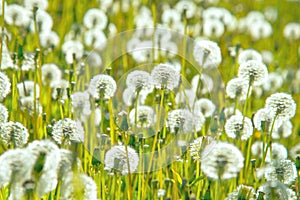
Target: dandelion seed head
column 78, row 186
column 71, row 49
column 188, row 7
column 242, row 192
column 185, row 97
column 274, row 82
column 41, row 4
column 130, row 94
column 279, row 151
column 4, row 86
column 238, row 126
column 213, row 28
column 49, row 39
column 180, row 120
column 282, row 105
column 281, row 170
column 61, row 85
column 17, row 15
column 95, row 18
column 170, row 16
column 102, row 86
column 203, row 81
column 275, row 190
column 115, row 158
column 26, row 88
column 28, row 105
column 249, row 54
column 284, row 131
column 263, row 120
column 260, row 30
column 253, row 71
column 295, row 151
column 50, row 73
column 230, row 111
column 3, row 114
column 14, row 133
column 139, row 79
column 204, row 106
column 291, row 31
column 67, row 131
column 43, row 20
column 145, row 117
column 95, row 38
column 207, row 54
column 81, row 103
column 237, row 88
column 68, row 162
column 165, row 76
column 221, row 160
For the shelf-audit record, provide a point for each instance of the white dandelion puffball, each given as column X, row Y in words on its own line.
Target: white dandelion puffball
column 27, row 104
column 145, row 116
column 282, row 105
column 47, row 150
column 281, row 170
column 238, row 88
column 291, row 31
column 26, row 88
column 14, row 133
column 253, row 71
column 102, row 86
column 115, row 158
column 4, row 86
column 242, row 192
column 67, row 131
column 72, row 49
column 78, row 186
column 180, row 121
column 249, row 54
column 263, row 120
column 221, row 161
column 239, row 127
column 165, row 76
column 207, row 54
column 197, row 146
column 204, row 106
column 68, row 160
column 95, row 18
column 81, row 103
column 139, row 79
column 50, row 73
column 276, row 190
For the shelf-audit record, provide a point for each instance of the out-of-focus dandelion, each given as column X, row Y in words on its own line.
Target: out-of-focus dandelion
column 249, row 54
column 60, row 89
column 72, row 49
column 278, row 151
column 180, row 121
column 95, row 18
column 295, row 151
column 26, row 88
column 49, row 39
column 276, row 190
column 284, row 131
column 144, row 117
column 4, row 86
column 204, row 106
column 41, row 4
column 17, row 15
column 50, row 73
column 197, row 146
column 139, row 80
column 28, row 105
column 81, row 104
column 242, row 192
column 116, row 158
column 68, row 162
column 221, row 161
column 291, row 31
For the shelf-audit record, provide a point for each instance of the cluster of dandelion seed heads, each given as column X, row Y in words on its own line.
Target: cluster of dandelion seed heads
column 116, row 158
column 14, row 133
column 282, row 105
column 238, row 126
column 102, row 86
column 221, row 161
column 165, row 76
column 67, row 131
column 253, row 71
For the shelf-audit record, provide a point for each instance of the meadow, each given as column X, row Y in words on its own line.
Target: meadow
column 188, row 99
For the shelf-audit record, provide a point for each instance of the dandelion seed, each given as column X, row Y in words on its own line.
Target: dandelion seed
column 4, row 86
column 13, row 133
column 204, row 106
column 237, row 88
column 180, row 120
column 50, row 74
column 255, row 72
column 116, row 158
column 281, row 170
column 78, row 186
column 238, row 126
column 221, row 161
column 67, row 131
column 145, row 117
column 242, row 192
column 102, row 86
column 249, row 54
column 165, row 76
column 276, row 190
column 282, row 105
column 207, row 54
column 28, row 105
column 291, row 31
column 46, row 156
column 197, row 146
column 95, row 18
column 263, row 120
column 49, row 39
column 26, row 88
